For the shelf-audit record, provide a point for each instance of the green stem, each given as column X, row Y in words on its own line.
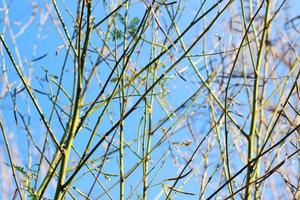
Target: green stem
column 75, row 121
column 122, row 111
column 251, row 170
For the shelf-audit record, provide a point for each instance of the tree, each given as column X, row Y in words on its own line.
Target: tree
column 150, row 99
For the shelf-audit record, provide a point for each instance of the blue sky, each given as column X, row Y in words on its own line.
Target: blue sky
column 41, row 39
